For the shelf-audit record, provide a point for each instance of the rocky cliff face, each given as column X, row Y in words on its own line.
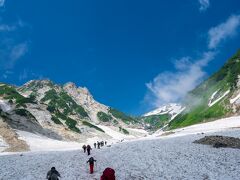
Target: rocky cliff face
column 85, row 99
column 59, row 112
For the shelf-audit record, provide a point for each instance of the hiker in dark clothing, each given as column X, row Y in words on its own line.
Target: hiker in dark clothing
column 53, row 174
column 105, row 142
column 91, row 164
column 84, row 148
column 88, row 149
column 98, row 145
column 95, row 145
column 102, row 143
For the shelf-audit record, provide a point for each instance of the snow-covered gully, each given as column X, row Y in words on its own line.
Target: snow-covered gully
column 157, row 158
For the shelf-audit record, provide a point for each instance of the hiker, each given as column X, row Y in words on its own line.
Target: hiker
column 98, row 145
column 84, row 148
column 53, row 174
column 95, row 145
column 105, row 142
column 108, row 174
column 88, row 149
column 102, row 143
column 91, row 164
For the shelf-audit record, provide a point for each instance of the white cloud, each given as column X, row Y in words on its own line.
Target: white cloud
column 173, row 86
column 223, row 31
column 6, row 28
column 23, row 75
column 18, row 51
column 11, row 52
column 204, row 5
column 2, row 3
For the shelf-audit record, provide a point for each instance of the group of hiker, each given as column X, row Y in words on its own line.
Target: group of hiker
column 100, row 144
column 108, row 173
column 87, row 148
column 97, row 144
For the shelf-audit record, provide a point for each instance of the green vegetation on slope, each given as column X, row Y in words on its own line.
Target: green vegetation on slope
column 10, row 93
column 199, row 114
column 56, row 120
column 92, row 126
column 197, row 100
column 71, row 123
column 121, row 129
column 25, row 113
column 119, row 115
column 156, row 121
column 102, row 116
column 63, row 101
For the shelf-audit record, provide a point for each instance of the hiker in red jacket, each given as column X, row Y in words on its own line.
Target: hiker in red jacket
column 108, row 174
column 91, row 164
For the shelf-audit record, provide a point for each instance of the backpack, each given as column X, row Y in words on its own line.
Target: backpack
column 108, row 174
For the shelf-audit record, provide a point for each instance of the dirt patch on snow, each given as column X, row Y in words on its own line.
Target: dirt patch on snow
column 167, row 133
column 220, row 141
column 11, row 138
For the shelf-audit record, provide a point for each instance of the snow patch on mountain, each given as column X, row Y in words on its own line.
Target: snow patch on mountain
column 211, row 103
column 5, row 106
column 235, row 99
column 41, row 143
column 209, row 127
column 172, row 109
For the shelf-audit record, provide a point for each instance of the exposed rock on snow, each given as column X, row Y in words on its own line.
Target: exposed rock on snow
column 220, row 141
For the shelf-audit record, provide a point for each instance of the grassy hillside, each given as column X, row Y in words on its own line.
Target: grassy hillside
column 196, row 102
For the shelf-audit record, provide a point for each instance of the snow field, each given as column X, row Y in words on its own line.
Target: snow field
column 159, row 158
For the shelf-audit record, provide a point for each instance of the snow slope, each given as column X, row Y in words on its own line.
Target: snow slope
column 214, row 126
column 159, row 158
column 42, row 143
column 4, row 105
column 233, row 100
column 171, row 108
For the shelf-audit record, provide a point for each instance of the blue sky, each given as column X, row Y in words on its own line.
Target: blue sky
column 133, row 55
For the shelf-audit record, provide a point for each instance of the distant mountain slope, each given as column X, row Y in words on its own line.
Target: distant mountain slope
column 160, row 117
column 60, row 112
column 218, row 96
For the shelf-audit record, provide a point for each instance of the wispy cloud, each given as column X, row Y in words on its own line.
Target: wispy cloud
column 17, row 52
column 2, row 3
column 204, row 5
column 6, row 28
column 223, row 31
column 12, row 45
column 11, row 27
column 169, row 87
column 188, row 72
